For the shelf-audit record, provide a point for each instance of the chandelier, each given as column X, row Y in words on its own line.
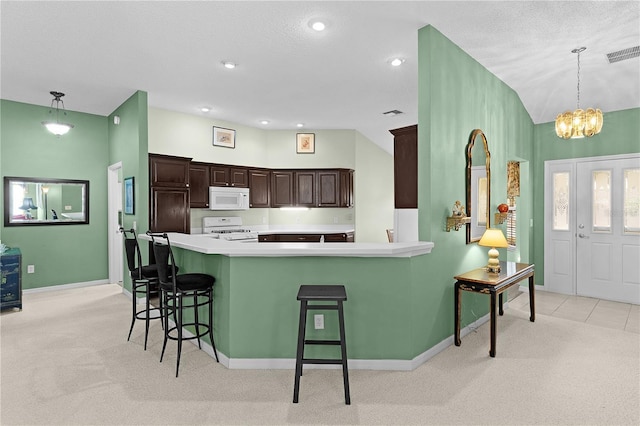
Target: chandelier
column 579, row 123
column 56, row 127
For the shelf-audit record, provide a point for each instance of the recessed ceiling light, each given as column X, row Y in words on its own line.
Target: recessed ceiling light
column 300, row 125
column 264, row 122
column 396, row 62
column 317, row 25
column 205, row 109
column 229, row 65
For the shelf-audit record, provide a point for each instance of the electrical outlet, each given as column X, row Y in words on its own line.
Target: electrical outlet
column 135, row 225
column 318, row 321
column 335, row 219
column 31, row 269
column 67, row 207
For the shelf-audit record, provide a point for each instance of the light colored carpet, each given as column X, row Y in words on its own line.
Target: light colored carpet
column 65, row 361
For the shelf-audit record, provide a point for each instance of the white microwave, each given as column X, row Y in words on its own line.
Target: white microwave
column 228, row 198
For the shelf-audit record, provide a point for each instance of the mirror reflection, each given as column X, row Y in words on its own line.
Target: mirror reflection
column 41, row 201
column 478, row 184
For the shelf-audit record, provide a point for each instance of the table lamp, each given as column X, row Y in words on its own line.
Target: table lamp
column 493, row 238
column 27, row 205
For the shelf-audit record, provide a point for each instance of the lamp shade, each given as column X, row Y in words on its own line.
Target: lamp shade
column 27, row 204
column 493, row 237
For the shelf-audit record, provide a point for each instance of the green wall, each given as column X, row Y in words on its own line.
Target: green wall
column 619, row 135
column 61, row 254
column 128, row 142
column 457, row 95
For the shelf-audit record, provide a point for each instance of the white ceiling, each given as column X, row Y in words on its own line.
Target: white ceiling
column 99, row 53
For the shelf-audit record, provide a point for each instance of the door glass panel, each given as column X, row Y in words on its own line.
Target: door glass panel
column 631, row 201
column 601, row 197
column 561, row 201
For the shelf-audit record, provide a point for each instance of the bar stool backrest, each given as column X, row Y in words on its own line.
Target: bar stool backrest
column 164, row 259
column 132, row 250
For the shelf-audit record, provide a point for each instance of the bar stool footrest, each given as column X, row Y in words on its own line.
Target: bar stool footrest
column 321, row 361
column 322, row 342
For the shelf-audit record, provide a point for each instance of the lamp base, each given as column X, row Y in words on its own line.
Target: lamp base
column 493, row 264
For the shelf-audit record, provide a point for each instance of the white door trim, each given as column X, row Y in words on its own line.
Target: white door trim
column 114, row 190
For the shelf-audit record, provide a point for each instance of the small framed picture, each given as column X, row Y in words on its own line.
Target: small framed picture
column 129, row 192
column 224, row 137
column 305, row 143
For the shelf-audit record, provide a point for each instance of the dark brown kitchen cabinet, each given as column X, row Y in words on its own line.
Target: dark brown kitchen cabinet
column 259, row 188
column 222, row 175
column 405, row 169
column 170, row 210
column 335, row 188
column 199, row 184
column 305, row 188
column 282, row 188
column 169, row 194
column 328, row 188
column 168, row 171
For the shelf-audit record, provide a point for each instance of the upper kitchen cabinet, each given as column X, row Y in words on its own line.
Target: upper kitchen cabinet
column 335, row 188
column 305, row 188
column 282, row 188
column 405, row 170
column 312, row 188
column 168, row 171
column 222, row 175
column 199, row 184
column 259, row 188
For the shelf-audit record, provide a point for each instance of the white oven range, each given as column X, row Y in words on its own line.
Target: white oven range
column 228, row 228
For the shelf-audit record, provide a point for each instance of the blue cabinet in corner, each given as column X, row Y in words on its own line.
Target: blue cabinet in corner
column 11, row 285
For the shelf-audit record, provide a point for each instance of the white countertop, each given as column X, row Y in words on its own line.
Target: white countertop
column 206, row 244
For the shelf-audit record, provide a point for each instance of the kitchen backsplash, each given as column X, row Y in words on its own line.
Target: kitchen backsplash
column 277, row 217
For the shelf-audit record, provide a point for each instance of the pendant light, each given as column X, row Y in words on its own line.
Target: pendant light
column 56, row 127
column 579, row 123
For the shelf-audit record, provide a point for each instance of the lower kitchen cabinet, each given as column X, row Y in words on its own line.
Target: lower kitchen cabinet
column 335, row 237
column 11, row 284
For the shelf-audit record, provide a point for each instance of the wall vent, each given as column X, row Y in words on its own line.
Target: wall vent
column 392, row 113
column 624, row 54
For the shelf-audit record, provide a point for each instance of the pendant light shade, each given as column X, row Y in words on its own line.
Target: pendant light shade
column 579, row 123
column 56, row 127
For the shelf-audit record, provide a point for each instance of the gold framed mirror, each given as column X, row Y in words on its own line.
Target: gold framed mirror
column 478, row 182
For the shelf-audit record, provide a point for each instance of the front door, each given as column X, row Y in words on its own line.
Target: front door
column 592, row 227
column 608, row 229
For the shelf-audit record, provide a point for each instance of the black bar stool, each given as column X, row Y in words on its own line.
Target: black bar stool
column 179, row 293
column 144, row 282
column 321, row 293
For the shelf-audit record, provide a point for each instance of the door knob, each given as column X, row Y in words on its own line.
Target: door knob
column 582, row 235
column 581, row 226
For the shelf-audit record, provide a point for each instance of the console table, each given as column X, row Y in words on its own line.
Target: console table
column 481, row 281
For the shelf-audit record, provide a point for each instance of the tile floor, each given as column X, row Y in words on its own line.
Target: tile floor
column 603, row 313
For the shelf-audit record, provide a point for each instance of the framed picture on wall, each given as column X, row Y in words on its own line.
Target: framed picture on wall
column 224, row 137
column 305, row 143
column 129, row 200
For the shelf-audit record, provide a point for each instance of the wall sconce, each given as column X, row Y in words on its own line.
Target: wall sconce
column 493, row 238
column 458, row 217
column 56, row 127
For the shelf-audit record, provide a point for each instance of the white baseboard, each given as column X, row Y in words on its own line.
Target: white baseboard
column 64, row 286
column 354, row 364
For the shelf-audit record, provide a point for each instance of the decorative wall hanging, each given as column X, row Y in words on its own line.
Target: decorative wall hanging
column 224, row 137
column 305, row 143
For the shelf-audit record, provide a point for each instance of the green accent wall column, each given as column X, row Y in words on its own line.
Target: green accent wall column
column 457, row 95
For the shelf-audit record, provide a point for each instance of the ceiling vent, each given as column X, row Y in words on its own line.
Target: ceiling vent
column 624, row 54
column 392, row 113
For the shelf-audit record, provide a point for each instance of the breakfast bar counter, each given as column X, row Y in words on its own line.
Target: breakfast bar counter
column 256, row 311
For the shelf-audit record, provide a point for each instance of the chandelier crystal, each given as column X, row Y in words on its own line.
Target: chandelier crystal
column 579, row 123
column 56, row 127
